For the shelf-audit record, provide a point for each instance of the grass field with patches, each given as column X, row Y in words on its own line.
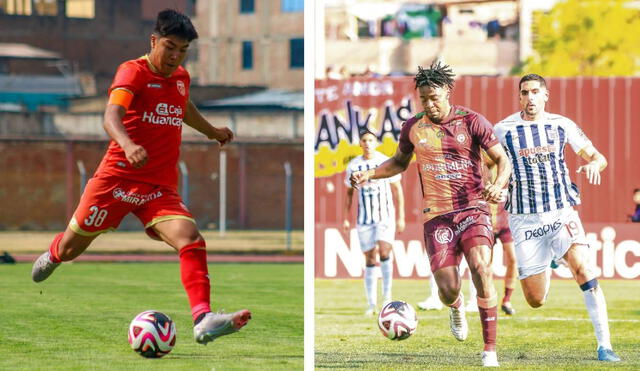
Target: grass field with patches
column 557, row 336
column 78, row 318
column 235, row 241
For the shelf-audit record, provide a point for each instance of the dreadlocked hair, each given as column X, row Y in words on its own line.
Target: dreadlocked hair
column 437, row 75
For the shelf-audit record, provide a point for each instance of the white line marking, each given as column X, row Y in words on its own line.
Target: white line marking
column 568, row 319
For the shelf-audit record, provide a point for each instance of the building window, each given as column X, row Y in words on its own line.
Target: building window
column 296, row 50
column 292, row 6
column 46, row 7
column 247, row 6
column 15, row 7
column 247, row 55
column 81, row 8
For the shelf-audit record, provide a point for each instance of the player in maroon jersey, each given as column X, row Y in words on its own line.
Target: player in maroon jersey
column 447, row 141
column 148, row 103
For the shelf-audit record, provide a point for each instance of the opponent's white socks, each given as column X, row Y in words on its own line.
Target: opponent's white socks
column 386, row 266
column 371, row 285
column 597, row 309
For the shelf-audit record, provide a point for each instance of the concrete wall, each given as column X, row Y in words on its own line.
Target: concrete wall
column 489, row 57
column 223, row 29
column 40, row 183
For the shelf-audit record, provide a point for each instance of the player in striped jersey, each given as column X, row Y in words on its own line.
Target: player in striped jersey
column 544, row 224
column 377, row 221
column 446, row 140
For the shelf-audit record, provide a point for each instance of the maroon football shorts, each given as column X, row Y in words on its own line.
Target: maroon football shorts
column 450, row 235
column 501, row 229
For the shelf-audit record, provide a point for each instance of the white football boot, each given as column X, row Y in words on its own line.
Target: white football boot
column 214, row 325
column 490, row 359
column 458, row 321
column 43, row 267
column 431, row 303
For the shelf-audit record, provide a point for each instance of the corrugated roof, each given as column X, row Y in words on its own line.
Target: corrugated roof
column 271, row 98
column 67, row 85
column 14, row 50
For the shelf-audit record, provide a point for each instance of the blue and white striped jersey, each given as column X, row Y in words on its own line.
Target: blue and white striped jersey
column 540, row 178
column 375, row 200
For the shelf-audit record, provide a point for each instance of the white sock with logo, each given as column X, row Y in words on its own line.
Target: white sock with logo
column 371, row 285
column 597, row 309
column 386, row 266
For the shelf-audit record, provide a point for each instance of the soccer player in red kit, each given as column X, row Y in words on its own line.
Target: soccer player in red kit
column 148, row 103
column 447, row 141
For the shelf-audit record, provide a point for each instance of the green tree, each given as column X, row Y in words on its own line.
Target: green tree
column 587, row 38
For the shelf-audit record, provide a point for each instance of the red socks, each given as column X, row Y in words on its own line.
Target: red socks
column 53, row 248
column 489, row 318
column 507, row 295
column 195, row 277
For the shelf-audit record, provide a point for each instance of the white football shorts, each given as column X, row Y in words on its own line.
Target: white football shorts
column 370, row 234
column 540, row 238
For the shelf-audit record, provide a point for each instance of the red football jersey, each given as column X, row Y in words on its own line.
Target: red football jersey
column 448, row 159
column 153, row 121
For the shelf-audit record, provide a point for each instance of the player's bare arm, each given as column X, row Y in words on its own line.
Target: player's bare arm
column 493, row 192
column 395, row 165
column 346, row 225
column 136, row 154
column 194, row 118
column 398, row 198
column 596, row 163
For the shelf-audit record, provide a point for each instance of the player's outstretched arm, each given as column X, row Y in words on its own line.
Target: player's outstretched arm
column 395, row 165
column 194, row 118
column 136, row 154
column 596, row 163
column 493, row 192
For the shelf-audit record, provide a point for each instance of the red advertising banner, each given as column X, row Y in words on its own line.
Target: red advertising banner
column 602, row 107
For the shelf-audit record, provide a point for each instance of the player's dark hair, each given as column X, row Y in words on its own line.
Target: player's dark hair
column 438, row 75
column 366, row 131
column 532, row 77
column 172, row 22
column 636, row 190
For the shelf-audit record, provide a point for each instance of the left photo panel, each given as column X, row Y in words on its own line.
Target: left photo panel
column 151, row 197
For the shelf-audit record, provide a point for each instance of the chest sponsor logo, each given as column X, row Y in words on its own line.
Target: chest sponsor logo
column 181, row 89
column 536, row 155
column 542, row 231
column 443, row 235
column 164, row 114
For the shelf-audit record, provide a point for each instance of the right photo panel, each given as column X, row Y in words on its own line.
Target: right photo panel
column 476, row 197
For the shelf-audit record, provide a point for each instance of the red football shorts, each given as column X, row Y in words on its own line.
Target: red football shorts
column 501, row 226
column 107, row 199
column 450, row 235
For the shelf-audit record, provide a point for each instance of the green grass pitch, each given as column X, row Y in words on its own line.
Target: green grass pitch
column 78, row 318
column 557, row 336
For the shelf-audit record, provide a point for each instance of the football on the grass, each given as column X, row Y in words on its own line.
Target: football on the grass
column 397, row 320
column 152, row 334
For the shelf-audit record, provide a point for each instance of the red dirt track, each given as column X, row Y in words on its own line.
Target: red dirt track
column 121, row 258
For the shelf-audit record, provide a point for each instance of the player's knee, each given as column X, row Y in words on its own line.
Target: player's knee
column 481, row 270
column 536, row 301
column 448, row 294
